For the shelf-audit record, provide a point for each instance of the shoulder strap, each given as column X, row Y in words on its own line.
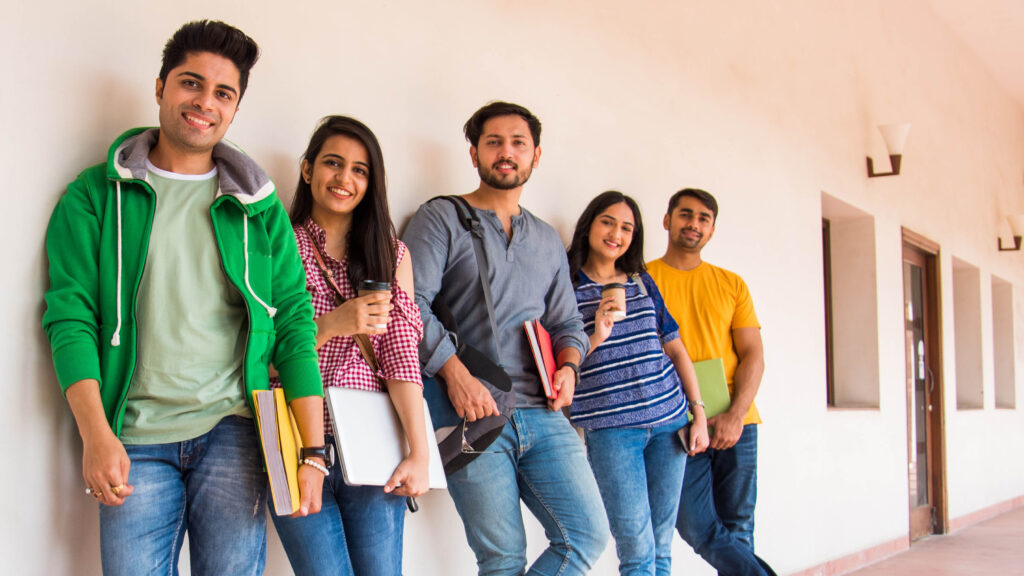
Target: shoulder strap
column 362, row 340
column 640, row 284
column 471, row 222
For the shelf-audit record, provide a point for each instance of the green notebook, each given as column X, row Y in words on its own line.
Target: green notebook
column 714, row 390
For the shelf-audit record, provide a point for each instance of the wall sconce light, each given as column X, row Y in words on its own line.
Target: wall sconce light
column 895, row 136
column 1017, row 227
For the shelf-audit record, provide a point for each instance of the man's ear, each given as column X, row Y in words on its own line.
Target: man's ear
column 536, row 156
column 666, row 221
column 473, row 157
column 159, row 90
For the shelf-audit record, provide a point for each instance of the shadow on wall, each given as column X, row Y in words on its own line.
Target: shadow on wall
column 432, row 161
column 73, row 516
column 116, row 104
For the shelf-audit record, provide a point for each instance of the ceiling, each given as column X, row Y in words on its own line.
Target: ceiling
column 993, row 30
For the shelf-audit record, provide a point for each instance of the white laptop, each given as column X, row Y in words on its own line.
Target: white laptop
column 370, row 439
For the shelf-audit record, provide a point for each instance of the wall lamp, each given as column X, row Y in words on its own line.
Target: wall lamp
column 895, row 136
column 1017, row 226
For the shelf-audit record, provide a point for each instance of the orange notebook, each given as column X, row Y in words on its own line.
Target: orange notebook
column 543, row 355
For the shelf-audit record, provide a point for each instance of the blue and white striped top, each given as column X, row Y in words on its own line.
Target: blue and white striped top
column 628, row 381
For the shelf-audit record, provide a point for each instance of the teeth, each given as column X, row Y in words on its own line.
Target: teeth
column 340, row 191
column 198, row 121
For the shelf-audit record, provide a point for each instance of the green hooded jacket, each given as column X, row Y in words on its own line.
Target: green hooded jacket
column 97, row 243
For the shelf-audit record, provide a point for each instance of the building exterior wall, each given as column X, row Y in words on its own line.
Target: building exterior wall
column 765, row 104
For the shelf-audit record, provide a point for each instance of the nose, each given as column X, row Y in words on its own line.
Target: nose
column 346, row 176
column 203, row 100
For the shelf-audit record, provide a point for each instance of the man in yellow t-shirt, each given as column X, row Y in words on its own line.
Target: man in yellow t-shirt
column 716, row 320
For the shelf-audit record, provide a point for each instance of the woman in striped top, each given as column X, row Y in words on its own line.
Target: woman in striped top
column 632, row 398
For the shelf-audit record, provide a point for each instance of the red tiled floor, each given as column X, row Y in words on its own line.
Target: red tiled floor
column 995, row 546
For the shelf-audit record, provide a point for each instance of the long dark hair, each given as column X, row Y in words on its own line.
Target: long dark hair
column 371, row 239
column 632, row 262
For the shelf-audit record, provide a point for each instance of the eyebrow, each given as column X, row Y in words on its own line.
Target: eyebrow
column 200, row 77
column 614, row 219
column 502, row 136
column 701, row 212
column 340, row 157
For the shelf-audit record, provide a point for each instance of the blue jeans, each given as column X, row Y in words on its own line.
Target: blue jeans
column 358, row 531
column 541, row 460
column 213, row 487
column 640, row 474
column 716, row 511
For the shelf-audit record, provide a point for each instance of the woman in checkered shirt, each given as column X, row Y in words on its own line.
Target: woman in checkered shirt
column 340, row 208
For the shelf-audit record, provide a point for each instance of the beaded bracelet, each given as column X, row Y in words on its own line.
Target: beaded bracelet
column 316, row 465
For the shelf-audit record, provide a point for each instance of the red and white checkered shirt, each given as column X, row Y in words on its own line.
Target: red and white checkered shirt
column 341, row 364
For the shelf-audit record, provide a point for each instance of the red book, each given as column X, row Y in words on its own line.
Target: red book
column 543, row 355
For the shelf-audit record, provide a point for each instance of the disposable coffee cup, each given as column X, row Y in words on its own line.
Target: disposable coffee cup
column 367, row 287
column 617, row 291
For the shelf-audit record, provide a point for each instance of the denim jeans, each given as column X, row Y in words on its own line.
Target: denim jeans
column 716, row 511
column 212, row 487
column 358, row 531
column 640, row 474
column 540, row 459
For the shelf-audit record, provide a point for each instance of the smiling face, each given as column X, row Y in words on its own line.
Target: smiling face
column 339, row 178
column 505, row 155
column 690, row 225
column 611, row 233
column 197, row 104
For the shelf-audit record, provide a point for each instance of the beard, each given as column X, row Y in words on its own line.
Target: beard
column 499, row 181
column 681, row 242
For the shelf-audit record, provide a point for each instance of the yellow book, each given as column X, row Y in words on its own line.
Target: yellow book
column 277, row 438
column 288, row 434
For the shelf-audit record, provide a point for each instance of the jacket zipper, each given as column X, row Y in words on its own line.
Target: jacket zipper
column 119, row 415
column 233, row 284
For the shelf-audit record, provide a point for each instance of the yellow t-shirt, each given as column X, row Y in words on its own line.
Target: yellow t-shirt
column 708, row 302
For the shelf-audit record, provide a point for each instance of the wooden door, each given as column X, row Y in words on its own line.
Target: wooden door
column 925, row 441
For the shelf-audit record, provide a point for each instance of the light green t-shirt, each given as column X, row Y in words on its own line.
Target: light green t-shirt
column 188, row 374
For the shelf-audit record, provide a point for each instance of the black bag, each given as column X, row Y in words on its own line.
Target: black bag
column 449, row 428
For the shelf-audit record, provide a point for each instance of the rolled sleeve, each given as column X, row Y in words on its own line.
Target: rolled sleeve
column 399, row 359
column 562, row 317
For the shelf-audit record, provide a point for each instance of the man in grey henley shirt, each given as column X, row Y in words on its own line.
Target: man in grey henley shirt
column 538, row 457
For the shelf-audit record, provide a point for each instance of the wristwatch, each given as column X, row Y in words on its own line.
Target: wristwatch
column 575, row 370
column 326, row 452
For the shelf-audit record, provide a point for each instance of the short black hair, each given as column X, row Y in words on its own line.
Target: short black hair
column 632, row 261
column 217, row 38
column 475, row 125
column 702, row 196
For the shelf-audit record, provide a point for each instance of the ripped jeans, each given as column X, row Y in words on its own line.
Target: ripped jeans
column 213, row 487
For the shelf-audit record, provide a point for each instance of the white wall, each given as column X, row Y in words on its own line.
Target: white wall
column 765, row 104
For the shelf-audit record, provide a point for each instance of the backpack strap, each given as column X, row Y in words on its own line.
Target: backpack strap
column 639, row 283
column 471, row 222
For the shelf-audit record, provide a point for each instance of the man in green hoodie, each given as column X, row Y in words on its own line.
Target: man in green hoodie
column 174, row 283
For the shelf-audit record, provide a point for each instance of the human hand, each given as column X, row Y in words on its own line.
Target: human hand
column 470, row 398
column 411, row 478
column 105, row 468
column 564, row 385
column 604, row 319
column 311, row 485
column 699, row 440
column 362, row 315
column 728, row 429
